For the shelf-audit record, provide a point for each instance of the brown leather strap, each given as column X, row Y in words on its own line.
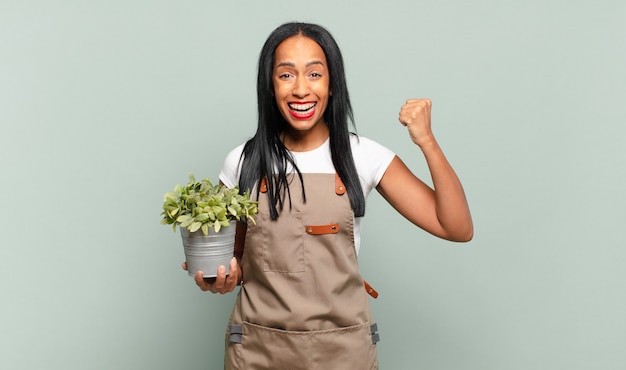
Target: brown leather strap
column 371, row 291
column 340, row 188
column 322, row 229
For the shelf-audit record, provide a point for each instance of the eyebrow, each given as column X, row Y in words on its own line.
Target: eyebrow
column 291, row 64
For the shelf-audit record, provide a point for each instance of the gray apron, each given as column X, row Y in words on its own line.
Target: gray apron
column 302, row 304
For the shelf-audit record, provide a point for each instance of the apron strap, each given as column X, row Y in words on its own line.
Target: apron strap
column 340, row 188
column 322, row 229
column 371, row 291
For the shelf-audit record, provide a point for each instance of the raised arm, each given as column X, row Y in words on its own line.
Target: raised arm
column 442, row 211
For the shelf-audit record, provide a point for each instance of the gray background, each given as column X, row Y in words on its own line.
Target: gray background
column 105, row 106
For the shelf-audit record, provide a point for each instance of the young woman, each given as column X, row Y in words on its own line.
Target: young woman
column 302, row 302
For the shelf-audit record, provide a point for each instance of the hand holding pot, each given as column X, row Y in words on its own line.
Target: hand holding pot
column 222, row 283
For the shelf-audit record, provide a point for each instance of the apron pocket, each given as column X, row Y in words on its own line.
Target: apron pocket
column 342, row 348
column 345, row 348
column 285, row 253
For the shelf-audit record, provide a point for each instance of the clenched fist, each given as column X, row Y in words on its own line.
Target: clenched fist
column 415, row 116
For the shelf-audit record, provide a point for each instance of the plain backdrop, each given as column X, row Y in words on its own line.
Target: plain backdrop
column 106, row 105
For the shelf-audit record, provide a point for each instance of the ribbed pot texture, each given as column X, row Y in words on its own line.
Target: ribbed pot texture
column 207, row 252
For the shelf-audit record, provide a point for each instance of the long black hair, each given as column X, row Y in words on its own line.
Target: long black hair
column 265, row 156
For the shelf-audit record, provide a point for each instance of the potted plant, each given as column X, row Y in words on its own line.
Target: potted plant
column 206, row 215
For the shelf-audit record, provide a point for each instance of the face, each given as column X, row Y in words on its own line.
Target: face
column 301, row 84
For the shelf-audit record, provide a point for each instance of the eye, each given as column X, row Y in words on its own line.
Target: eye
column 315, row 75
column 284, row 75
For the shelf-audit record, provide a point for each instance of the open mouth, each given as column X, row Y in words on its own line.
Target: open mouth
column 302, row 110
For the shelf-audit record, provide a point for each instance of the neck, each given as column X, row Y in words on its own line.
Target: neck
column 304, row 141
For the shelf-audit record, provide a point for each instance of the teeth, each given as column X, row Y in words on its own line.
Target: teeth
column 301, row 107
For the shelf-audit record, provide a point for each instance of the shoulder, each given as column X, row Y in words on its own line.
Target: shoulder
column 234, row 156
column 370, row 158
column 359, row 141
column 365, row 149
column 231, row 168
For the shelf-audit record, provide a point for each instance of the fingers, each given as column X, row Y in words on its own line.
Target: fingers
column 415, row 116
column 233, row 277
column 414, row 110
column 425, row 101
column 227, row 283
column 222, row 283
column 201, row 283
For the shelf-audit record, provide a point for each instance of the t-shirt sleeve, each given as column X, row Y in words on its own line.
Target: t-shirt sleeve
column 372, row 160
column 231, row 169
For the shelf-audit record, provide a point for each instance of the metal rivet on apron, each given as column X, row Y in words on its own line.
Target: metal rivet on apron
column 310, row 230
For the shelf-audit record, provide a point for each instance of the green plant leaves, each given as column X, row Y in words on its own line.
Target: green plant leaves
column 184, row 220
column 202, row 205
column 195, row 226
column 233, row 211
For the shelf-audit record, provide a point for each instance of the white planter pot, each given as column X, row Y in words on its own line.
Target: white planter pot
column 207, row 252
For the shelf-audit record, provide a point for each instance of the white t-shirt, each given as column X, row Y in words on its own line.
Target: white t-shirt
column 370, row 158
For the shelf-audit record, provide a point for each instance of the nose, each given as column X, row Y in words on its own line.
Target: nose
column 301, row 88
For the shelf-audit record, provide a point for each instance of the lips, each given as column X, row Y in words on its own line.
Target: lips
column 302, row 110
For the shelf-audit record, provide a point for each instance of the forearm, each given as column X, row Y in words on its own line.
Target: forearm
column 451, row 205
